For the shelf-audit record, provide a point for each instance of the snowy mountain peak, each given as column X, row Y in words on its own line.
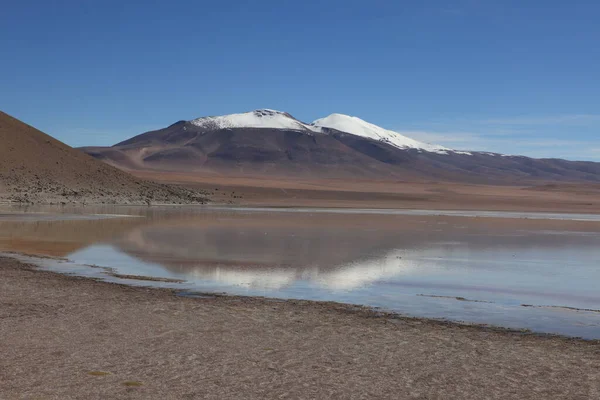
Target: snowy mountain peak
column 262, row 118
column 273, row 119
column 359, row 127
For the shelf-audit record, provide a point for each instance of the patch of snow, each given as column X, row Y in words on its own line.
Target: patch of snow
column 264, row 118
column 357, row 126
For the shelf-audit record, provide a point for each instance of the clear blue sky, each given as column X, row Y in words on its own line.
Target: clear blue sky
column 500, row 75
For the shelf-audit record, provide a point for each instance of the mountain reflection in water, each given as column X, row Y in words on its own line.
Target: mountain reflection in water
column 420, row 265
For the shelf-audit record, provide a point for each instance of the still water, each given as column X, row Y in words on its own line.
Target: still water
column 538, row 272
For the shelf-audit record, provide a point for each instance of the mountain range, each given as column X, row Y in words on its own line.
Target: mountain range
column 272, row 142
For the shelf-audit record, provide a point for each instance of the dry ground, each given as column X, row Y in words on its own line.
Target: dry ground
column 75, row 338
column 287, row 192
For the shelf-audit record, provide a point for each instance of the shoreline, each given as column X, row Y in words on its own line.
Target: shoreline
column 9, row 215
column 68, row 336
column 111, row 276
column 144, row 282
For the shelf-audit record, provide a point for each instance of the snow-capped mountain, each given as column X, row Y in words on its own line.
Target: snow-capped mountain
column 267, row 141
column 356, row 126
column 273, row 119
column 263, row 118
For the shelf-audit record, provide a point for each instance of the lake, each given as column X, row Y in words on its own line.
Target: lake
column 526, row 271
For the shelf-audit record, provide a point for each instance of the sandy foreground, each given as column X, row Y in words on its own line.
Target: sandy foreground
column 74, row 338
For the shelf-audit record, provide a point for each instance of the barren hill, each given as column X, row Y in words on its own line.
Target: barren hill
column 36, row 168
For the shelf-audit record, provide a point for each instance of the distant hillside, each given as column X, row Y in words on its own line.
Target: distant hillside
column 36, row 168
column 270, row 142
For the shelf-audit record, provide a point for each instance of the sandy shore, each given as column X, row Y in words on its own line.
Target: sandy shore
column 66, row 337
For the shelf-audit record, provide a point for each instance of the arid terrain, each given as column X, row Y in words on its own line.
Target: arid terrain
column 74, row 338
column 362, row 193
column 267, row 157
column 36, row 168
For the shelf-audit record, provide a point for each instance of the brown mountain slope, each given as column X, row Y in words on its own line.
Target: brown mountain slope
column 36, row 168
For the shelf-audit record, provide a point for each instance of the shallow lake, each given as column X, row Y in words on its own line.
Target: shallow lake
column 526, row 271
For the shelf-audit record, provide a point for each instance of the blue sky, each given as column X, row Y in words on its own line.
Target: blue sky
column 518, row 77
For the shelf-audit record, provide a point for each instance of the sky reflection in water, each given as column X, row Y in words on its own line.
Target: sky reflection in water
column 470, row 269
